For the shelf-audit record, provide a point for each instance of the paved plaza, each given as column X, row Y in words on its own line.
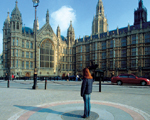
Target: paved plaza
column 62, row 101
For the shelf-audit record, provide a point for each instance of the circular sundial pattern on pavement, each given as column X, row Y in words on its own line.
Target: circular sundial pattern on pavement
column 73, row 110
column 77, row 115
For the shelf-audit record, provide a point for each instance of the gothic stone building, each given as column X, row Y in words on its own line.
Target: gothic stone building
column 124, row 50
column 1, row 65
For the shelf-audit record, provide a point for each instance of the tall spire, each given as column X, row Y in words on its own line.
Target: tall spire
column 100, row 21
column 100, row 8
column 141, row 4
column 58, row 31
column 16, row 10
column 140, row 14
column 70, row 33
column 47, row 16
column 70, row 27
column 37, row 24
column 16, row 2
column 16, row 19
column 8, row 18
column 71, row 23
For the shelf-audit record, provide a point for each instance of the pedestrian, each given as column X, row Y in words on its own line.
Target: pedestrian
column 12, row 77
column 6, row 77
column 111, row 75
column 77, row 77
column 86, row 90
column 68, row 77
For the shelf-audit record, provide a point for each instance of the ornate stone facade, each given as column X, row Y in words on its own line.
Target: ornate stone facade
column 124, row 50
column 1, row 65
column 55, row 55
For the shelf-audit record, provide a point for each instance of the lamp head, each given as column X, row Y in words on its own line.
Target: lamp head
column 35, row 3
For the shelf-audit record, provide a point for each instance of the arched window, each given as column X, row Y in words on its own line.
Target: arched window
column 17, row 25
column 5, row 32
column 147, row 37
column 47, row 54
column 100, row 10
column 14, row 25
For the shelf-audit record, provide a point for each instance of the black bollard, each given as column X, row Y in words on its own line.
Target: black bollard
column 45, row 84
column 100, row 85
column 8, row 84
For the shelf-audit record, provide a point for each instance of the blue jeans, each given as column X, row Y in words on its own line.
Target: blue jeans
column 87, row 105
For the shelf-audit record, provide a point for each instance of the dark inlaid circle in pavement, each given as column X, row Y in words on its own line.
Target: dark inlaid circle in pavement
column 77, row 115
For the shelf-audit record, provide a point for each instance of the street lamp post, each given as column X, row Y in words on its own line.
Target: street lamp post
column 35, row 4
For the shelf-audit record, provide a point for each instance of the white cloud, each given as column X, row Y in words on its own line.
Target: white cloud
column 62, row 17
column 1, row 43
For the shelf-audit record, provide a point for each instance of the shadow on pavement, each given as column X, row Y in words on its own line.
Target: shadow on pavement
column 47, row 110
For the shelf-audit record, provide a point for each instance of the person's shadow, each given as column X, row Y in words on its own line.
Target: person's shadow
column 47, row 110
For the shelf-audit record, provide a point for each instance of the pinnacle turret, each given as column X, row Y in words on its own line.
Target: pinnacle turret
column 47, row 16
column 141, row 4
column 8, row 18
column 16, row 10
column 16, row 20
column 140, row 15
column 100, row 21
column 58, row 31
column 100, row 8
column 70, row 34
column 70, row 27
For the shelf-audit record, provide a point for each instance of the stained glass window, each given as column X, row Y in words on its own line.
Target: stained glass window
column 47, row 54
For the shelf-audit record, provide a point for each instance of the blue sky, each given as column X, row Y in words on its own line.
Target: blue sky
column 118, row 12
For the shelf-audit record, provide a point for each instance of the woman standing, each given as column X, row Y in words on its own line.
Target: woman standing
column 6, row 77
column 86, row 90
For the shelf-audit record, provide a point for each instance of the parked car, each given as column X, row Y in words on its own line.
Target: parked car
column 64, row 77
column 130, row 79
column 1, row 78
column 73, row 77
column 40, row 78
column 57, row 78
column 148, row 77
column 106, row 79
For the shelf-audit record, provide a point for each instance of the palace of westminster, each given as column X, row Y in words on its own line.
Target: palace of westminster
column 123, row 50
